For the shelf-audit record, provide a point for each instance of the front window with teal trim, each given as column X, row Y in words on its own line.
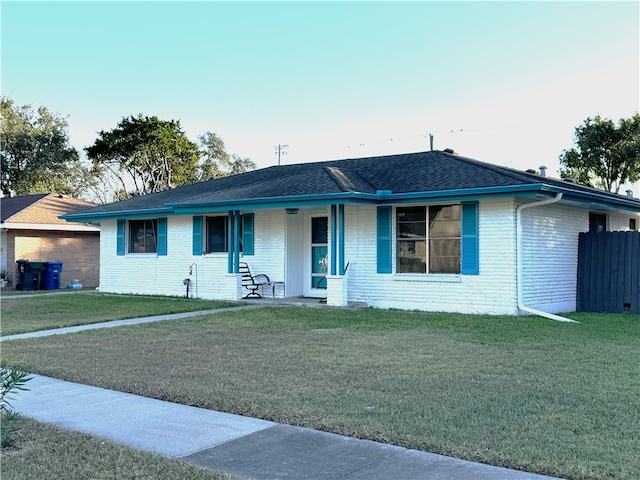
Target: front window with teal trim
column 428, row 239
column 217, row 239
column 143, row 236
column 211, row 234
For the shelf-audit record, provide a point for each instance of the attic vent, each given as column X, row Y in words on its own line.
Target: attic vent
column 531, row 170
column 630, row 193
column 543, row 171
column 450, row 151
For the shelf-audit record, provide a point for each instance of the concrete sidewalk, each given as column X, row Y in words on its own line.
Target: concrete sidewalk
column 247, row 447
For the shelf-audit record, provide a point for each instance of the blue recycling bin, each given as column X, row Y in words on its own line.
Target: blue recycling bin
column 51, row 272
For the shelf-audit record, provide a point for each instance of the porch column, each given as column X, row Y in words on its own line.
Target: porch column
column 341, row 239
column 334, row 227
column 337, row 240
column 236, row 241
column 233, row 241
column 337, row 282
column 230, row 267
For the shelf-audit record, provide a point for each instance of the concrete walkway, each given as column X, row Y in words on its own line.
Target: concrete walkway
column 121, row 323
column 247, row 447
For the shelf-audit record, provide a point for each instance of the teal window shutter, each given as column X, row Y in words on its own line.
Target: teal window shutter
column 384, row 223
column 120, row 245
column 162, row 236
column 247, row 234
column 470, row 262
column 197, row 235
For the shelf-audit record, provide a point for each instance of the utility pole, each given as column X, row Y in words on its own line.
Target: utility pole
column 280, row 151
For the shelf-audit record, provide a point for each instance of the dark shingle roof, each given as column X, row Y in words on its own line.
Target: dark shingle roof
column 9, row 206
column 404, row 173
column 40, row 208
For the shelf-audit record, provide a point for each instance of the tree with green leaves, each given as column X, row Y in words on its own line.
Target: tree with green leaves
column 216, row 162
column 144, row 155
column 606, row 155
column 35, row 154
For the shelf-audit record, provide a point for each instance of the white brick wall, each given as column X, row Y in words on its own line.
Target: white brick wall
column 619, row 221
column 164, row 275
column 550, row 243
column 550, row 256
column 493, row 291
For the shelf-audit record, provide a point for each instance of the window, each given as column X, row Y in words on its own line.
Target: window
column 597, row 222
column 428, row 239
column 217, row 236
column 143, row 236
column 211, row 234
column 633, row 224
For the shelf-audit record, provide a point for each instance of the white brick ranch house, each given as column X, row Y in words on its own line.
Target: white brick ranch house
column 431, row 231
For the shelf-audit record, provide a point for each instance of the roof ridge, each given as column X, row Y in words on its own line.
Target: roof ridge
column 529, row 177
column 343, row 177
column 510, row 172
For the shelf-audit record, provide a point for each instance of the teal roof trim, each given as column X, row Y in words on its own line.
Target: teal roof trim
column 382, row 197
column 273, row 202
column 623, row 203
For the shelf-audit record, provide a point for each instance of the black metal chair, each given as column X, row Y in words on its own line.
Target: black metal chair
column 252, row 282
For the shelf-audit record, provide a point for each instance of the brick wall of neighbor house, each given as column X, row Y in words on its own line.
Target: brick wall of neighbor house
column 10, row 246
column 493, row 291
column 78, row 251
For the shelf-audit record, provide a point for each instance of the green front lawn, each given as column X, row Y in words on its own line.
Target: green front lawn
column 521, row 392
column 45, row 452
column 28, row 314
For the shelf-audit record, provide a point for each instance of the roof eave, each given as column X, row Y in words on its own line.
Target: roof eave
column 604, row 198
column 89, row 217
column 50, row 227
column 380, row 197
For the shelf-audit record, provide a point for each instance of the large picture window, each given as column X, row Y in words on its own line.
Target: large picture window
column 217, row 236
column 143, row 236
column 428, row 239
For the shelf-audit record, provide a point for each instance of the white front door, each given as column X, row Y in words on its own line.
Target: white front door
column 317, row 257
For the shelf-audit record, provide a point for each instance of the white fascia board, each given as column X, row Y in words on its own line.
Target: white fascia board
column 46, row 226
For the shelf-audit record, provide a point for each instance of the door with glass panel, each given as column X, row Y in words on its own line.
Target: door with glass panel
column 319, row 256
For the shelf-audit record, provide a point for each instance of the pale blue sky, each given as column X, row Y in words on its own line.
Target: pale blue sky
column 503, row 82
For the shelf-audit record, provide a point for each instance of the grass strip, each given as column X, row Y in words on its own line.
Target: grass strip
column 20, row 315
column 43, row 452
column 521, row 392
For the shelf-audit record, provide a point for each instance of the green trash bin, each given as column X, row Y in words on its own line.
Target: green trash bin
column 29, row 275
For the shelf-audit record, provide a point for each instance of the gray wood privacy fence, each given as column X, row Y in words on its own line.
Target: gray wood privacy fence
column 609, row 272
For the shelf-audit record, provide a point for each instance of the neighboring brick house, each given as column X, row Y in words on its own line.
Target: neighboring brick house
column 429, row 231
column 31, row 230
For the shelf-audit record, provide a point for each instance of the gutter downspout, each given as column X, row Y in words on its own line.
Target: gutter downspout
column 521, row 305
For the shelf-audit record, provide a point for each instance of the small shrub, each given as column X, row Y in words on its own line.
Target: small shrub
column 11, row 381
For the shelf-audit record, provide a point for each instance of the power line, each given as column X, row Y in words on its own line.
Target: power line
column 431, row 136
column 280, row 151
